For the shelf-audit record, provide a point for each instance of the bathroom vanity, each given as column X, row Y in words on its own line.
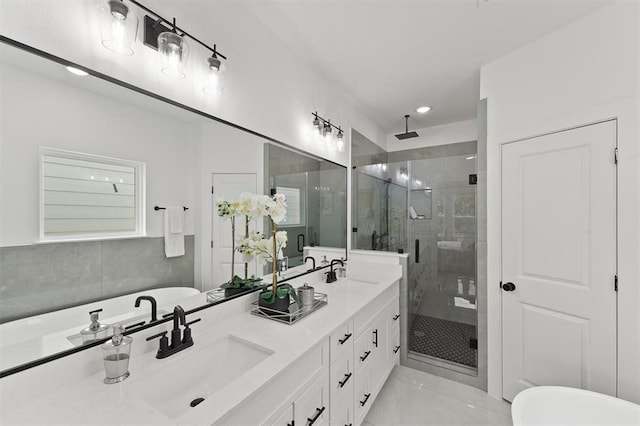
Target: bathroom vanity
column 242, row 369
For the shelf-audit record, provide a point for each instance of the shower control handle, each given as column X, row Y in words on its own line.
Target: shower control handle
column 508, row 286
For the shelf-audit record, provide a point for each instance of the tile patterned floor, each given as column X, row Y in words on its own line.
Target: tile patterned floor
column 442, row 339
column 412, row 397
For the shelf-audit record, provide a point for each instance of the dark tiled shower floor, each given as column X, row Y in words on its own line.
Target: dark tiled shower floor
column 442, row 339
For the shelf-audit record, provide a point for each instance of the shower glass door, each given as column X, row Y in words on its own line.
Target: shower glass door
column 442, row 270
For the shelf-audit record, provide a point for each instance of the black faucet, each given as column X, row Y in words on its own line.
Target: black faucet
column 313, row 263
column 154, row 306
column 178, row 320
column 178, row 341
column 331, row 275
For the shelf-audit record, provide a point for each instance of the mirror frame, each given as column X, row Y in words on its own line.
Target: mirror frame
column 48, row 56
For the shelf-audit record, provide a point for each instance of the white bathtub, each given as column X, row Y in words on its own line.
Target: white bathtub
column 41, row 335
column 563, row 406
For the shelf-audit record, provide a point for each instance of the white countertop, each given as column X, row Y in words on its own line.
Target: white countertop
column 88, row 401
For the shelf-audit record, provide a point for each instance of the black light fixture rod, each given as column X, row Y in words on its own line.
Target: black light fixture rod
column 173, row 25
column 315, row 114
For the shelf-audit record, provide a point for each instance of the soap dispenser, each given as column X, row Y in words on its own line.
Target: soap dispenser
column 95, row 330
column 116, row 356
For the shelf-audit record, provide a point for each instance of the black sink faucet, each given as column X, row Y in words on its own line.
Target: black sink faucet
column 313, row 262
column 331, row 275
column 154, row 306
column 178, row 340
column 178, row 320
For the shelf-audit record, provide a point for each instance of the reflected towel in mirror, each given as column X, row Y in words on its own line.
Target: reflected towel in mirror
column 174, row 231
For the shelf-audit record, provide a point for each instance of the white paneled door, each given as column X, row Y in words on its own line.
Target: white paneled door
column 229, row 186
column 559, row 260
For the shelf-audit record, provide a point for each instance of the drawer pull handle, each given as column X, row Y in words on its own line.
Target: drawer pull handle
column 396, row 349
column 395, row 317
column 345, row 338
column 345, row 380
column 366, row 354
column 366, row 398
column 293, row 423
column 319, row 412
column 375, row 334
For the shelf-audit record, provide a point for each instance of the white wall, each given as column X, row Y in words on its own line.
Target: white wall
column 267, row 90
column 461, row 131
column 585, row 72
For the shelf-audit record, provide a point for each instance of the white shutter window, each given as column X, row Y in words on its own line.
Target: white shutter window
column 294, row 201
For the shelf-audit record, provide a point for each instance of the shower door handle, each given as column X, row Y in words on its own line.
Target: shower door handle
column 300, row 246
column 417, row 250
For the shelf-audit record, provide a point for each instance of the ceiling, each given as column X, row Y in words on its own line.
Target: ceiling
column 391, row 56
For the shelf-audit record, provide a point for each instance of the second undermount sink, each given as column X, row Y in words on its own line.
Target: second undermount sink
column 189, row 377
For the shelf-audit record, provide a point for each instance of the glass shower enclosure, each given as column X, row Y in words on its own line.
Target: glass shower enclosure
column 427, row 208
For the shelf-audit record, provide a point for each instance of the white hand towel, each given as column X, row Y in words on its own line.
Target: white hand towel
column 173, row 241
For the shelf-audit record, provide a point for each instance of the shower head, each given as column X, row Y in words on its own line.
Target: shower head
column 407, row 134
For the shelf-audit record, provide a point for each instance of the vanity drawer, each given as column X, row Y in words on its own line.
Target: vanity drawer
column 363, row 394
column 342, row 408
column 363, row 350
column 342, row 340
column 394, row 348
column 341, row 373
column 312, row 407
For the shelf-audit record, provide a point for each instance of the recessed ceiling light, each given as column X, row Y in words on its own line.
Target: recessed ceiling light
column 77, row 71
column 423, row 109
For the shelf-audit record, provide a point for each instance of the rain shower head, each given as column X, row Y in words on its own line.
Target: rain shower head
column 407, row 134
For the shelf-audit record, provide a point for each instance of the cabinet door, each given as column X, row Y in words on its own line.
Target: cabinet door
column 363, row 393
column 379, row 344
column 312, row 407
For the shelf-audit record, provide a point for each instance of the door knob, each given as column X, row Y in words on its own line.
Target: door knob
column 508, row 286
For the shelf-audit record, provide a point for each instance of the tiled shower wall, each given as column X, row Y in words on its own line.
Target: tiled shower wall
column 46, row 277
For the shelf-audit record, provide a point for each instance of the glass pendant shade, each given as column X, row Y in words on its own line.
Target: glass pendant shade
column 216, row 73
column 340, row 142
column 174, row 51
column 118, row 26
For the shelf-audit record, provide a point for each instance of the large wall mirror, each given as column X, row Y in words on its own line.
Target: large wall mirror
column 183, row 152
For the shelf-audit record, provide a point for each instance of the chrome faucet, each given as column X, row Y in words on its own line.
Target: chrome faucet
column 313, row 263
column 154, row 306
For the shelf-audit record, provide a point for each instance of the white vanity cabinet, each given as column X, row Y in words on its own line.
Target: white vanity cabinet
column 336, row 382
column 374, row 357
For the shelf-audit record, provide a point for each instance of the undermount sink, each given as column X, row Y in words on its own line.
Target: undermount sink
column 189, row 377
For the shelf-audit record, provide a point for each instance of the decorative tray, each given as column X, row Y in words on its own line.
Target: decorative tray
column 295, row 313
column 215, row 295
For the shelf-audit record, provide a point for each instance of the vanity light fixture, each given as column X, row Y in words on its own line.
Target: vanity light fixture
column 171, row 43
column 423, row 109
column 118, row 26
column 77, row 71
column 325, row 128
